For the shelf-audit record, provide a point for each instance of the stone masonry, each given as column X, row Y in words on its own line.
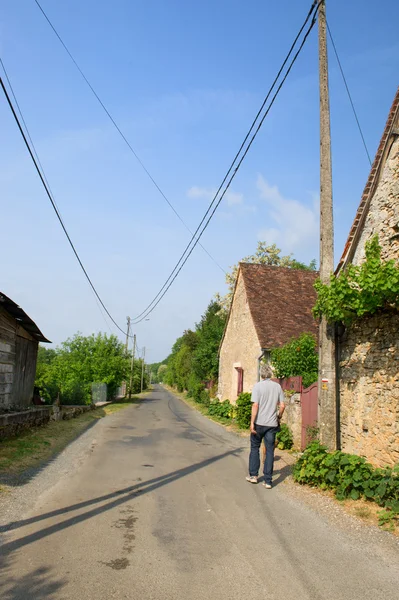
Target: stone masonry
column 369, row 353
column 383, row 215
column 240, row 348
column 369, row 380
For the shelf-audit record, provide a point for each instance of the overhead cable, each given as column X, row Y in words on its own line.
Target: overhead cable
column 111, row 118
column 50, row 196
column 234, row 166
column 349, row 94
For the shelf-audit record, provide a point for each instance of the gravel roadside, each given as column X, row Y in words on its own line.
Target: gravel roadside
column 17, row 499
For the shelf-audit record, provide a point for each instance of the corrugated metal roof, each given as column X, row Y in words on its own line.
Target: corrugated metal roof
column 22, row 318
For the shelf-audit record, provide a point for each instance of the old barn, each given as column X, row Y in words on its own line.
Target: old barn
column 19, row 341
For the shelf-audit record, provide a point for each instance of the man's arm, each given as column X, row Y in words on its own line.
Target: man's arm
column 254, row 413
column 255, row 408
column 281, row 404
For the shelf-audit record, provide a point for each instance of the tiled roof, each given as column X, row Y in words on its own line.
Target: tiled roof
column 376, row 168
column 280, row 301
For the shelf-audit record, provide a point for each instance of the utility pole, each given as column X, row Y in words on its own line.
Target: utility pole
column 127, row 335
column 142, row 369
column 131, row 366
column 327, row 391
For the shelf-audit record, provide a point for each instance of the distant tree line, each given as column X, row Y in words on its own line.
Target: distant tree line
column 68, row 372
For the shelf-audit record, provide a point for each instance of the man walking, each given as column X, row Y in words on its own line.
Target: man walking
column 267, row 409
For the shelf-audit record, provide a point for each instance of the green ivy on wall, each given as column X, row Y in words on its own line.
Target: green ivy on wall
column 360, row 290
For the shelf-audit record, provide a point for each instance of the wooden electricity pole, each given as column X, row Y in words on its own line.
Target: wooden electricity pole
column 132, row 366
column 327, row 391
column 127, row 335
column 142, row 369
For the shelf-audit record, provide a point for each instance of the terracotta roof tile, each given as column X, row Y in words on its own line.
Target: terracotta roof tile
column 280, row 301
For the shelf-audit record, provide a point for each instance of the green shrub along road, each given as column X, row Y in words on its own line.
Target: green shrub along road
column 350, row 476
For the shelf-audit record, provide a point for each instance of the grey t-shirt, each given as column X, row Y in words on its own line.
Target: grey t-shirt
column 268, row 394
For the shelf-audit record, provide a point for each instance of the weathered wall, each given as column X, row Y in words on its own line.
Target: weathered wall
column 369, row 376
column 383, row 215
column 369, row 381
column 18, row 355
column 8, row 328
column 293, row 417
column 14, row 423
column 240, row 347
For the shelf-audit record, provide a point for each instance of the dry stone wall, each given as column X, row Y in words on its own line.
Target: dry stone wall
column 293, row 417
column 383, row 214
column 369, row 382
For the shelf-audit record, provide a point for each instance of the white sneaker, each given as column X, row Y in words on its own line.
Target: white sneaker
column 268, row 486
column 252, row 478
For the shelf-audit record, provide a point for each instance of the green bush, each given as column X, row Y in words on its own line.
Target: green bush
column 195, row 387
column 359, row 290
column 243, row 410
column 220, row 409
column 204, row 398
column 297, row 357
column 349, row 475
column 285, row 439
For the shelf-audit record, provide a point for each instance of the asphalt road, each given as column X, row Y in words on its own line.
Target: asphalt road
column 157, row 507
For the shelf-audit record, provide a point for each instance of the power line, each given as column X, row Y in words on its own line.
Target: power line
column 349, row 94
column 122, row 134
column 183, row 259
column 42, row 179
column 40, row 164
column 312, row 8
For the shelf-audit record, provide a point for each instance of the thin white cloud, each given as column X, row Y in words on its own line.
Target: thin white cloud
column 231, row 198
column 293, row 225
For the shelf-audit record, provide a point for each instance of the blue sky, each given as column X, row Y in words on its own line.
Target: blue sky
column 183, row 80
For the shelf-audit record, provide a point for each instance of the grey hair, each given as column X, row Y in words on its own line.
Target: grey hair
column 266, row 372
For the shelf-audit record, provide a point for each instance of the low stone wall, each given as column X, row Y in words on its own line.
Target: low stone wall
column 293, row 417
column 369, row 382
column 14, row 423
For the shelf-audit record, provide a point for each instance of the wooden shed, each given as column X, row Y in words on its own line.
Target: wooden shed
column 19, row 341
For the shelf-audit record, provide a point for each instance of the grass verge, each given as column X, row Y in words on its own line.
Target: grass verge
column 40, row 444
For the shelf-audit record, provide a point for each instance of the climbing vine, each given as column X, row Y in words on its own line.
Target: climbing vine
column 359, row 290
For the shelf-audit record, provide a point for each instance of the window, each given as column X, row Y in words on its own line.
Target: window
column 240, row 380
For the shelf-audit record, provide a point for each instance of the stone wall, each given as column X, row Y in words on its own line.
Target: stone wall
column 240, row 348
column 14, row 423
column 293, row 417
column 369, row 394
column 383, row 214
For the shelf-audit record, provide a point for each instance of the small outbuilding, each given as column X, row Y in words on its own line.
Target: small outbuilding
column 270, row 306
column 19, row 342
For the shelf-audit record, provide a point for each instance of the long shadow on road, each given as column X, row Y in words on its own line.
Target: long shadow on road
column 117, row 498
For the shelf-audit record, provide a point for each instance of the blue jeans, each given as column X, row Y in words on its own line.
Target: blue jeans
column 269, row 433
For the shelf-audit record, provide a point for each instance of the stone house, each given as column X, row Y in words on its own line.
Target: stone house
column 368, row 371
column 19, row 342
column 270, row 305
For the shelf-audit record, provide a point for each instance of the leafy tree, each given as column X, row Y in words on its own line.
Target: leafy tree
column 70, row 370
column 209, row 334
column 264, row 255
column 194, row 356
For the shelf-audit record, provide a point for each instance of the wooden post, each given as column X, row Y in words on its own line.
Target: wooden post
column 142, row 369
column 132, row 366
column 326, row 390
